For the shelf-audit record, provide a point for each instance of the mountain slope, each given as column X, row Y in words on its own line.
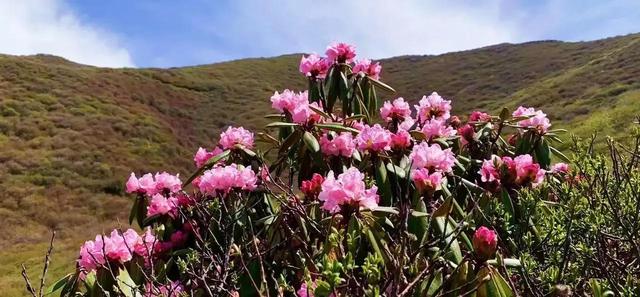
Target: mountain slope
column 70, row 134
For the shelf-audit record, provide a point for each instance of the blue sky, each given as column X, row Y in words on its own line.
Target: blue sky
column 163, row 33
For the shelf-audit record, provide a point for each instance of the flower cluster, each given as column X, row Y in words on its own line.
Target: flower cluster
column 374, row 139
column 511, row 172
column 151, row 185
column 202, row 155
column 117, row 248
column 296, row 105
column 236, row 137
column 314, row 66
column 348, row 189
column 340, row 52
column 398, row 110
column 223, row 179
column 337, row 145
column 433, row 107
column 429, row 164
column 534, row 119
column 368, row 68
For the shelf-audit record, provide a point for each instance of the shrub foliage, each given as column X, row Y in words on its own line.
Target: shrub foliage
column 341, row 196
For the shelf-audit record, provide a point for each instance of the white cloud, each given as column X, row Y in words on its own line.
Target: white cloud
column 49, row 26
column 378, row 28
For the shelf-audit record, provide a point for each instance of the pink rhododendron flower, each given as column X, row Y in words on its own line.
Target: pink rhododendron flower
column 374, row 138
column 288, row 100
column 426, row 181
column 166, row 181
column 398, row 110
column 528, row 171
column 466, row 133
column 297, row 105
column 161, row 205
column 92, row 255
column 132, row 184
column 537, row 119
column 432, row 157
column 148, row 184
column 489, row 170
column 347, row 190
column 117, row 248
column 236, row 136
column 407, row 124
column 311, row 188
column 202, row 155
column 400, row 140
column 341, row 145
column 341, row 52
column 314, row 66
column 560, row 168
column 226, row 178
column 173, row 289
column 478, row 116
column 433, row 106
column 145, row 246
column 369, row 68
column 485, row 243
column 434, row 128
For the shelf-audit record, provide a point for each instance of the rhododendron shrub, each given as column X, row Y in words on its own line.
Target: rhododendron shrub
column 343, row 194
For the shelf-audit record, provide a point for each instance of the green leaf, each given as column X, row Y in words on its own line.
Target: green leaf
column 559, row 154
column 127, row 285
column 508, row 205
column 504, row 114
column 290, row 141
column 281, row 124
column 543, row 154
column 385, row 209
column 320, row 112
column 396, row 170
column 59, row 284
column 206, row 166
column 419, row 214
column 311, row 142
column 382, row 181
column 337, row 128
column 381, row 85
column 134, row 209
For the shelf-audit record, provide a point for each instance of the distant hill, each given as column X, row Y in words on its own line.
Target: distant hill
column 70, row 133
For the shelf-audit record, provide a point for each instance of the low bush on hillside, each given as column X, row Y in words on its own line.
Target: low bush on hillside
column 348, row 198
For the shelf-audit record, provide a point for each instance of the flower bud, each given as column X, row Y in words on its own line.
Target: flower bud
column 485, row 243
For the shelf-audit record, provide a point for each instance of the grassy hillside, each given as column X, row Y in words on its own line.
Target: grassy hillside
column 69, row 133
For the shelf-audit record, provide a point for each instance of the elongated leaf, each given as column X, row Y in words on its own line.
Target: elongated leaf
column 543, row 154
column 385, row 209
column 290, row 141
column 396, row 170
column 59, row 284
column 381, row 85
column 508, row 205
column 384, row 186
column 281, row 124
column 134, row 210
column 337, row 128
column 320, row 112
column 206, row 166
column 311, row 142
column 559, row 154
